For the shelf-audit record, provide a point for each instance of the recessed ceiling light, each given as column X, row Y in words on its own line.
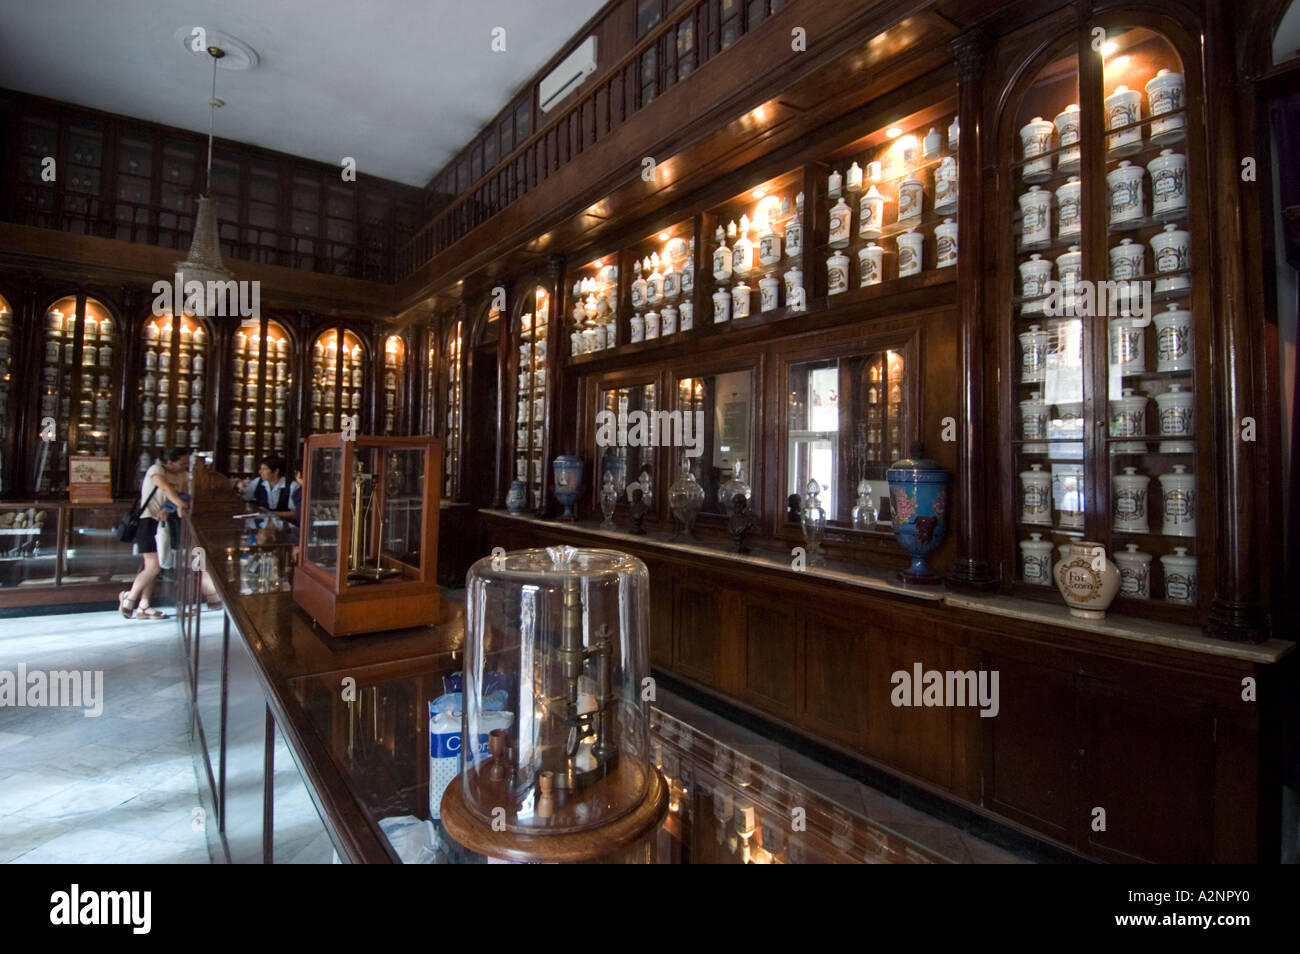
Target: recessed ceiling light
column 893, row 132
column 663, row 236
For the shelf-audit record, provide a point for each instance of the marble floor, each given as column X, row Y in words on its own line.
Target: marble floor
column 123, row 786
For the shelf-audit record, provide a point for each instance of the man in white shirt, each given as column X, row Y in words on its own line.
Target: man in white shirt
column 270, row 491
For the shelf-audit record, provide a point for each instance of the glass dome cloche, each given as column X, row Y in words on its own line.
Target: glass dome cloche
column 556, row 652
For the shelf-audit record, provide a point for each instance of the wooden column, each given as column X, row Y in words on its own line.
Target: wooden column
column 1236, row 612
column 462, row 360
column 554, row 330
column 971, row 568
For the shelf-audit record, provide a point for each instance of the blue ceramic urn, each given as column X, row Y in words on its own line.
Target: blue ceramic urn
column 567, row 469
column 918, row 496
column 515, row 497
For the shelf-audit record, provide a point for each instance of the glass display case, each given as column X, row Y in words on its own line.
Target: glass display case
column 661, row 273
column 623, row 446
column 531, row 397
column 92, row 552
column 1109, row 321
column 8, row 409
column 338, row 379
column 45, row 545
column 395, row 390
column 370, row 533
column 593, row 307
column 261, row 389
column 451, row 462
column 890, row 204
column 29, row 545
column 849, row 419
column 718, row 411
column 79, row 379
column 757, row 251
column 172, row 390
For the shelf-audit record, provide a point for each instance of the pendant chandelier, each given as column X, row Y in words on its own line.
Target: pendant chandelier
column 204, row 263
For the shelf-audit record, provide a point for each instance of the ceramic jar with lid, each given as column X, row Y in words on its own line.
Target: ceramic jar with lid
column 1124, row 185
column 837, row 273
column 871, row 213
column 651, row 325
column 1067, row 135
column 637, row 321
column 685, row 322
column 1134, row 572
column 1179, row 503
column 1069, row 271
column 840, row 224
column 1086, row 579
column 742, row 256
column 1168, row 185
column 672, row 285
column 1173, row 339
column 1034, row 275
column 721, row 306
column 794, row 231
column 1128, row 418
column 1176, row 407
column 1033, row 423
column 740, row 299
column 1180, row 577
column 1036, row 495
column 1127, row 346
column 834, row 184
column 1165, row 95
column 794, row 294
column 1127, row 260
column 870, row 262
column 769, row 247
column 1128, row 509
column 1069, row 218
column 721, row 266
column 769, row 292
column 1123, row 108
column 853, row 178
column 910, row 201
column 945, row 241
column 1035, row 140
column 910, row 244
column 945, row 186
column 1036, row 560
column 1036, row 218
column 1071, row 499
column 1172, row 251
column 1033, row 355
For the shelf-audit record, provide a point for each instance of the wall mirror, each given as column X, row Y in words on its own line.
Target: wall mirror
column 717, row 441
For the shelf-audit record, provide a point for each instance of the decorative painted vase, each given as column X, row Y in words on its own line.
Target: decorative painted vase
column 1087, row 579
column 515, row 497
column 918, row 495
column 567, row 469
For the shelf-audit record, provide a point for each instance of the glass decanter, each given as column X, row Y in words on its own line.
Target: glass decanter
column 608, row 501
column 685, row 498
column 813, row 519
column 736, row 485
column 864, row 513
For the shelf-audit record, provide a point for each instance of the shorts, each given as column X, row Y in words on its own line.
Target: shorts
column 147, row 535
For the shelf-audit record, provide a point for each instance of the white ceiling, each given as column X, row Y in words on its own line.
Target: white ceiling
column 401, row 85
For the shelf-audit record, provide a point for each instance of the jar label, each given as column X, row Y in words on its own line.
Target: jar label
column 1121, row 114
column 1171, row 258
column 1171, row 342
column 947, row 248
column 1178, row 505
column 1165, row 99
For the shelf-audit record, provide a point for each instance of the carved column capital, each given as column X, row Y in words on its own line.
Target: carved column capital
column 969, row 50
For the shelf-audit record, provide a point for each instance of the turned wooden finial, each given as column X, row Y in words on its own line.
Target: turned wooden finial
column 545, row 798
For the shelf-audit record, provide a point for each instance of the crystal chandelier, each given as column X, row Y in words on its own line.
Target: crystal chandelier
column 204, row 264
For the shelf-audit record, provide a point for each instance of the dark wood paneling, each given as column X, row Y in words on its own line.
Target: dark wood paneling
column 697, row 631
column 918, row 739
column 771, row 643
column 832, row 676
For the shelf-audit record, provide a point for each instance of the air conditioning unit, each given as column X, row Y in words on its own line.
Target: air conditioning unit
column 566, row 77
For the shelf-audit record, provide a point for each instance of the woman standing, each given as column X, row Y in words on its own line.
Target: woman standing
column 162, row 485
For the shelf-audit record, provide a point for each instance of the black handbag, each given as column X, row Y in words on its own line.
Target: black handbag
column 130, row 525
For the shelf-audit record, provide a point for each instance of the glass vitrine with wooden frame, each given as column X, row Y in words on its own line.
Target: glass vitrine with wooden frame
column 173, row 386
column 625, row 419
column 369, row 533
column 393, row 394
column 529, row 418
column 1107, row 413
column 452, row 429
column 338, row 379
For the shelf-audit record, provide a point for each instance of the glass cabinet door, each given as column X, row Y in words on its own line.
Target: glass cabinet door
column 394, row 385
column 1106, row 318
column 531, row 393
column 718, row 412
column 623, row 445
column 29, row 546
column 172, row 388
column 338, row 380
column 77, row 389
column 8, row 408
column 261, row 380
column 451, row 451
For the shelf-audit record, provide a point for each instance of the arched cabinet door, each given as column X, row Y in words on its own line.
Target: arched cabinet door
column 529, row 425
column 261, row 386
column 453, row 407
column 393, row 398
column 174, row 379
column 1103, row 303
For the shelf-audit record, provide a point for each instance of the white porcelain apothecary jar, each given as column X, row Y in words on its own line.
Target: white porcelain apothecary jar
column 840, row 223
column 1179, row 504
column 1036, row 495
column 1127, row 260
column 1035, row 140
column 945, row 186
column 1033, row 355
column 1173, row 339
column 668, row 320
column 651, row 325
column 1180, row 577
column 1069, row 270
column 834, row 184
column 1123, row 108
column 1087, row 580
column 1165, row 95
column 945, row 241
column 1036, row 560
column 1124, row 185
column 740, row 301
column 686, row 319
column 721, row 306
column 1033, row 423
column 1168, row 185
column 870, row 262
column 1127, row 347
column 871, row 213
column 910, row 244
column 1128, row 509
column 1069, row 218
column 837, row 273
column 769, row 292
column 1067, row 135
column 1134, row 572
column 1172, row 251
column 853, row 178
column 637, row 322
column 769, row 247
column 1034, row 275
column 1128, row 418
column 1176, row 406
column 910, row 198
column 1036, row 218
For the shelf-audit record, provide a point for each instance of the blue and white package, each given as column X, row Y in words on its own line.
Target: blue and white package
column 445, row 741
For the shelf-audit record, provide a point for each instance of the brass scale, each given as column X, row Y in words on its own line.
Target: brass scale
column 360, row 570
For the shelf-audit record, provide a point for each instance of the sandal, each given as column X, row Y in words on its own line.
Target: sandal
column 148, row 612
column 125, row 604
